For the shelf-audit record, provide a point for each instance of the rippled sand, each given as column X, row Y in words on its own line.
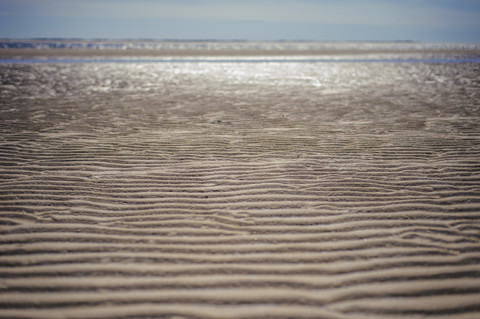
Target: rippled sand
column 240, row 190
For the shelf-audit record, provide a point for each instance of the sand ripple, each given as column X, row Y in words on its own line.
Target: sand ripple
column 239, row 191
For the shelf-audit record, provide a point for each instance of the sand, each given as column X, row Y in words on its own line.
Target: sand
column 79, row 53
column 287, row 190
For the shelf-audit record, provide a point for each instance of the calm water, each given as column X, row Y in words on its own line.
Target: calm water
column 227, row 45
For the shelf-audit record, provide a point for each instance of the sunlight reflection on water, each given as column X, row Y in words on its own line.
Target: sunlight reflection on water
column 447, row 59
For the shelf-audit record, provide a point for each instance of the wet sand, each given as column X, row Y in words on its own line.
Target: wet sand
column 225, row 53
column 234, row 190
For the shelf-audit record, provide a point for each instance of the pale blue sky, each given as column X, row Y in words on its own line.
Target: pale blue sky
column 340, row 20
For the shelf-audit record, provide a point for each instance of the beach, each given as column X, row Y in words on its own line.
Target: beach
column 251, row 186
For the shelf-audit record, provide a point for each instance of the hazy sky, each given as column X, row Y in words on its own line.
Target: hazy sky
column 341, row 20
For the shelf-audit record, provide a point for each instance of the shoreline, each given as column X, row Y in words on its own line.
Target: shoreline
column 53, row 53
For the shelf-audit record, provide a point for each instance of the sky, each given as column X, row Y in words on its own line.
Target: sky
column 456, row 21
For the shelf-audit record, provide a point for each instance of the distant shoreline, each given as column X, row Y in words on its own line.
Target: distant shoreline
column 80, row 48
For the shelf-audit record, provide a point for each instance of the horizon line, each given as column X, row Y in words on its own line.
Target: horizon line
column 208, row 40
